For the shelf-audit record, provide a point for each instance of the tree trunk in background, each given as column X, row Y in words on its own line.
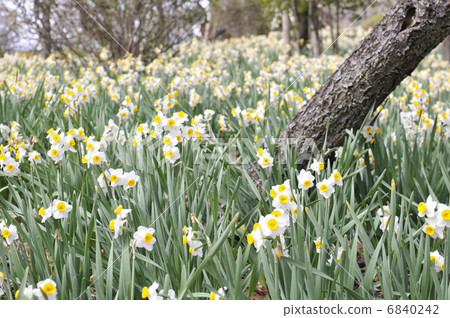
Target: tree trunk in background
column 393, row 49
column 285, row 29
column 338, row 17
column 334, row 39
column 313, row 27
column 43, row 10
column 446, row 49
column 301, row 19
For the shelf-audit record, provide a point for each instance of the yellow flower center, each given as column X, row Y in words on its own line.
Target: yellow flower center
column 2, row 156
column 118, row 209
column 273, row 193
column 260, row 151
column 37, row 157
column 323, row 187
column 71, row 142
column 307, row 183
column 41, row 211
column 113, row 178
column 433, row 258
column 276, row 213
column 111, row 224
column 190, row 131
column 319, row 244
column 54, row 152
column 61, row 206
column 272, row 224
column 281, row 188
column 266, row 161
column 321, row 166
column 145, row 292
column 169, row 153
column 49, row 288
column 56, row 137
column 96, row 158
column 166, row 140
column 283, row 198
column 422, row 207
column 157, row 119
column 184, row 239
column 250, row 238
column 10, row 167
column 140, row 128
column 171, row 122
column 336, row 176
column 6, row 233
column 180, row 114
column 148, row 237
column 131, row 182
column 212, row 296
column 446, row 214
column 90, row 145
column 429, row 230
column 256, row 226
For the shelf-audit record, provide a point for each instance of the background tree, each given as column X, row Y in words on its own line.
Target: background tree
column 234, row 18
column 134, row 25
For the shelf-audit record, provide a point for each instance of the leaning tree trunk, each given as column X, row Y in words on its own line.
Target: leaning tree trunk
column 383, row 59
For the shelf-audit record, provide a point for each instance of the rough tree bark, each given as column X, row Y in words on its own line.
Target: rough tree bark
column 393, row 49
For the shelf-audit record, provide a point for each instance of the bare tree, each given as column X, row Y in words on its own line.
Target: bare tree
column 136, row 26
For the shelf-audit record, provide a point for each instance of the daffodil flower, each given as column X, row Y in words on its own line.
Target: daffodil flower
column 305, row 180
column 144, row 237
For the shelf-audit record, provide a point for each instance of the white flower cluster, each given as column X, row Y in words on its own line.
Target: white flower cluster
column 438, row 260
column 151, row 293
column 46, row 289
column 117, row 177
column 386, row 219
column 265, row 160
column 127, row 108
column 78, row 95
column 9, row 233
column 175, row 132
column 195, row 245
column 60, row 142
column 437, row 217
column 284, row 200
column 58, row 209
column 117, row 224
column 249, row 115
column 19, row 149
